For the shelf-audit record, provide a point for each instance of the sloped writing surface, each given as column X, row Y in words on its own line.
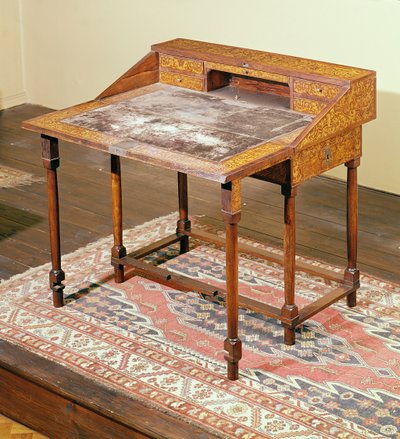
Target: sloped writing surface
column 201, row 125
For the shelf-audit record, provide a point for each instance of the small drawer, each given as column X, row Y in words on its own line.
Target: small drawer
column 317, row 89
column 325, row 155
column 184, row 81
column 308, row 106
column 182, row 64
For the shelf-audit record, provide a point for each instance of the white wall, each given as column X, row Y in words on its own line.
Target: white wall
column 74, row 49
column 12, row 90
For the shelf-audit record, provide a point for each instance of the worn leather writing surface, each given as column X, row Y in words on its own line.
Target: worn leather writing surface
column 202, row 125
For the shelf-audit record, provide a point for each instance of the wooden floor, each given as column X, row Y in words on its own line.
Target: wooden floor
column 12, row 430
column 151, row 192
column 148, row 193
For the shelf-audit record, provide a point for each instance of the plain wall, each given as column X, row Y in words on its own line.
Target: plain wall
column 12, row 90
column 74, row 49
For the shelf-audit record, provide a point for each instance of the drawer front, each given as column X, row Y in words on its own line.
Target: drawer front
column 308, row 106
column 184, row 81
column 181, row 64
column 326, row 155
column 315, row 89
column 247, row 72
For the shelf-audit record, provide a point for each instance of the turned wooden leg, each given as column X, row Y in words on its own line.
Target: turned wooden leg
column 351, row 274
column 183, row 222
column 118, row 250
column 289, row 309
column 231, row 206
column 51, row 161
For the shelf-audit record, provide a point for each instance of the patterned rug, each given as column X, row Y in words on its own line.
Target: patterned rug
column 164, row 347
column 11, row 177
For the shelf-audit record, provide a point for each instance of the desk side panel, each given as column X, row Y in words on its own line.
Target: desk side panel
column 145, row 72
column 354, row 108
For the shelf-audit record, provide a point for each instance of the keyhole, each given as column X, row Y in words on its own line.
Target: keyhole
column 327, row 155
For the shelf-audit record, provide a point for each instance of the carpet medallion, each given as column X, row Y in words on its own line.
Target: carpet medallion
column 165, row 347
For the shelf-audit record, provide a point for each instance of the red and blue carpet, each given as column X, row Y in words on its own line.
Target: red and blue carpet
column 165, row 347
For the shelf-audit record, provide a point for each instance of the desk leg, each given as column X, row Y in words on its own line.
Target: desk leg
column 289, row 309
column 118, row 250
column 351, row 274
column 51, row 161
column 231, row 210
column 183, row 222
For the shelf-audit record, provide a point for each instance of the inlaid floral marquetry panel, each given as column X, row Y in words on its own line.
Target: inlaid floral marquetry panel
column 332, row 152
column 248, row 56
column 357, row 106
column 315, row 89
column 177, row 63
column 185, row 81
column 308, row 106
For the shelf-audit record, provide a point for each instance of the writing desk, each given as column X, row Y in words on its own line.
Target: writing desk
column 222, row 113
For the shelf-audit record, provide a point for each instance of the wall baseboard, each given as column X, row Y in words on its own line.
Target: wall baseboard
column 13, row 100
column 342, row 181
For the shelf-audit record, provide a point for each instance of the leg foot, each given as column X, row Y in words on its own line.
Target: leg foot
column 289, row 312
column 56, row 277
column 352, row 277
column 118, row 251
column 119, row 275
column 352, row 299
column 233, row 348
column 184, row 245
column 58, row 296
column 289, row 336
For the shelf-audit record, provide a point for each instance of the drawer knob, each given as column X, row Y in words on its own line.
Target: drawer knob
column 179, row 79
column 245, row 64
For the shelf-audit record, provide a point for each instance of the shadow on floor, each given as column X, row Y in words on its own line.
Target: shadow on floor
column 13, row 220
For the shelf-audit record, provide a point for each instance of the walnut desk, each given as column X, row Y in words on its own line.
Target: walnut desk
column 222, row 113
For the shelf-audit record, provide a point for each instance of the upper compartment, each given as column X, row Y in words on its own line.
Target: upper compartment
column 262, row 61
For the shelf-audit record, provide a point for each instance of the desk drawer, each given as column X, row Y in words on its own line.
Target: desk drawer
column 185, row 81
column 315, row 89
column 326, row 155
column 181, row 64
column 308, row 106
